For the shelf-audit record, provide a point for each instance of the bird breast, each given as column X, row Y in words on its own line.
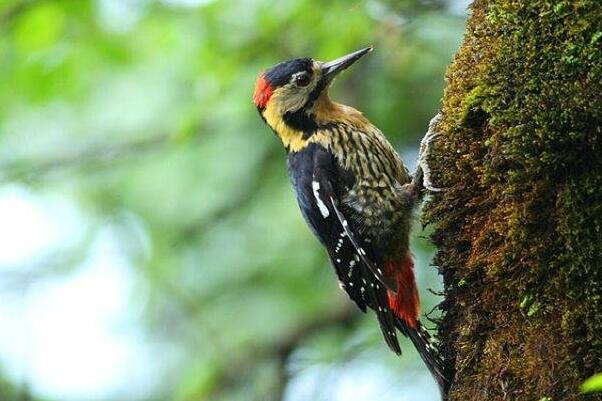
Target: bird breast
column 376, row 199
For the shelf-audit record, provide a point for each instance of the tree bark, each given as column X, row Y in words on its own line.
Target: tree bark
column 519, row 225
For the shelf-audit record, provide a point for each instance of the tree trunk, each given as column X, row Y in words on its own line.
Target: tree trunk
column 519, row 225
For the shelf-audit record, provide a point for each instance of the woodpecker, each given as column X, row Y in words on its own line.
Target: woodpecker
column 354, row 192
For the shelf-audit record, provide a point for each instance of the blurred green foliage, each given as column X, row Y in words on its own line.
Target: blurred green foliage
column 139, row 113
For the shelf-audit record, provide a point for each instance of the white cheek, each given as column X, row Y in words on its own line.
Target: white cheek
column 291, row 98
column 295, row 101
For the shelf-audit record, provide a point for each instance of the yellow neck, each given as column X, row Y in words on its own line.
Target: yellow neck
column 324, row 111
column 291, row 138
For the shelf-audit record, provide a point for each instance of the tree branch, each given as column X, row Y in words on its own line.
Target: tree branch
column 245, row 194
column 282, row 349
column 28, row 170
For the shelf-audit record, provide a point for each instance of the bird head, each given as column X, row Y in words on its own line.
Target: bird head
column 292, row 87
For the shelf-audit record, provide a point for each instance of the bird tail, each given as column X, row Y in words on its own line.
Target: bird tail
column 405, row 304
column 427, row 351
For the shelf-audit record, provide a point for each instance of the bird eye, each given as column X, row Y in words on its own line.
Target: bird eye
column 302, row 79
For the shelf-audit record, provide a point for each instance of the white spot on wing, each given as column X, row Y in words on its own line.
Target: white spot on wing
column 315, row 185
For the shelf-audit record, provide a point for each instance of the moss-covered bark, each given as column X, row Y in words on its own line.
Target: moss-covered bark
column 519, row 227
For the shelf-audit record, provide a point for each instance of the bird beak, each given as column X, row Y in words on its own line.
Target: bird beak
column 332, row 68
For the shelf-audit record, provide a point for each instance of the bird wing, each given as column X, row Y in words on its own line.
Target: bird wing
column 358, row 275
column 353, row 239
column 353, row 257
column 326, row 201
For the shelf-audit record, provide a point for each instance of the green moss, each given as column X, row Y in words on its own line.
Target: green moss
column 533, row 309
column 471, row 104
column 520, row 227
column 526, row 302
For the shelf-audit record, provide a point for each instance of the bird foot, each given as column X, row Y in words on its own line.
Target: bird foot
column 425, row 148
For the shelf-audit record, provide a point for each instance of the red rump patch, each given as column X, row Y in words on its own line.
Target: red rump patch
column 263, row 92
column 405, row 302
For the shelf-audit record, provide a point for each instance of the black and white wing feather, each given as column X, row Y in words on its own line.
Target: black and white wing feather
column 356, row 263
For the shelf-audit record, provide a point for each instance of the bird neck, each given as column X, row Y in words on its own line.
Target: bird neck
column 300, row 128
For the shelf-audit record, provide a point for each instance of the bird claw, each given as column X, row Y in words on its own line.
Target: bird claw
column 429, row 187
column 425, row 147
